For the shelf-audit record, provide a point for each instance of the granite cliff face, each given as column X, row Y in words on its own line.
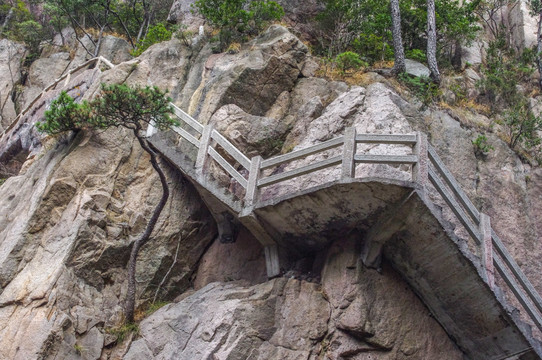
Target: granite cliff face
column 77, row 202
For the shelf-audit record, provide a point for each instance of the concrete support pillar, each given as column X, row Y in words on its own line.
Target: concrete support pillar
column 253, row 224
column 205, row 142
column 487, row 249
column 272, row 260
column 420, row 169
column 349, row 152
column 252, row 192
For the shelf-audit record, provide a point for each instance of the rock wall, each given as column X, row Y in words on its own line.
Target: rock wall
column 11, row 55
column 68, row 220
column 351, row 315
column 523, row 26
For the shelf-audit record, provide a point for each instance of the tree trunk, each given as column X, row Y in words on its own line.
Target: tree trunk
column 432, row 41
column 6, row 21
column 131, row 292
column 399, row 66
column 539, row 48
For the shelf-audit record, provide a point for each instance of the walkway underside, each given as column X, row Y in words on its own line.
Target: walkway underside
column 394, row 221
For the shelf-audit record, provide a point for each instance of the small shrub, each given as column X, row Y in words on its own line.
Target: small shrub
column 522, row 126
column 156, row 34
column 502, row 72
column 78, row 349
column 481, row 144
column 349, row 61
column 373, row 47
column 422, row 87
column 123, row 331
column 416, row 54
column 184, row 35
column 64, row 114
column 460, row 92
column 31, row 33
column 237, row 19
column 155, row 306
column 262, row 12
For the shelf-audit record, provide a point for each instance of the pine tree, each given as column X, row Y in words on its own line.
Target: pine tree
column 119, row 106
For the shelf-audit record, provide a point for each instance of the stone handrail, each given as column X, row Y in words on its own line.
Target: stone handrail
column 427, row 169
column 494, row 253
column 66, row 77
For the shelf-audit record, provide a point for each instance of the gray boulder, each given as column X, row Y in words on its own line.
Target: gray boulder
column 416, row 68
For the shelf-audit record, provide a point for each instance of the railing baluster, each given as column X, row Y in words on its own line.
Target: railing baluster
column 203, row 151
column 420, row 169
column 252, row 192
column 349, row 152
column 486, row 244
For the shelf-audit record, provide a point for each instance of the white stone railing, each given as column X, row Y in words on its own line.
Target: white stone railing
column 427, row 169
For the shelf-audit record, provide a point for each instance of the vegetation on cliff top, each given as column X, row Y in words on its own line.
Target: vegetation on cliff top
column 237, row 19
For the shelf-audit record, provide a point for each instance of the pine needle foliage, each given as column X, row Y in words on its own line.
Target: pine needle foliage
column 117, row 105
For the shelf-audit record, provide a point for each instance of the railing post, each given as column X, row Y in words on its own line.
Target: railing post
column 486, row 244
column 251, row 196
column 349, row 152
column 272, row 260
column 205, row 142
column 421, row 168
column 151, row 130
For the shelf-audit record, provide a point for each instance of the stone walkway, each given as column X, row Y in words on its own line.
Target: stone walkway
column 395, row 215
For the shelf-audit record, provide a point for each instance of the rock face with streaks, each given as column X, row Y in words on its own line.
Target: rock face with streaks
column 351, row 314
column 77, row 202
column 11, row 55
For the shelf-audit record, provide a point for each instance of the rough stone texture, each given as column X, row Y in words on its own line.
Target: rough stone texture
column 68, row 256
column 181, row 13
column 242, row 260
column 253, row 135
column 11, row 55
column 251, row 79
column 68, row 220
column 300, row 14
column 473, row 54
column 112, row 48
column 43, row 72
column 415, row 68
column 23, row 142
column 351, row 315
column 523, row 26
